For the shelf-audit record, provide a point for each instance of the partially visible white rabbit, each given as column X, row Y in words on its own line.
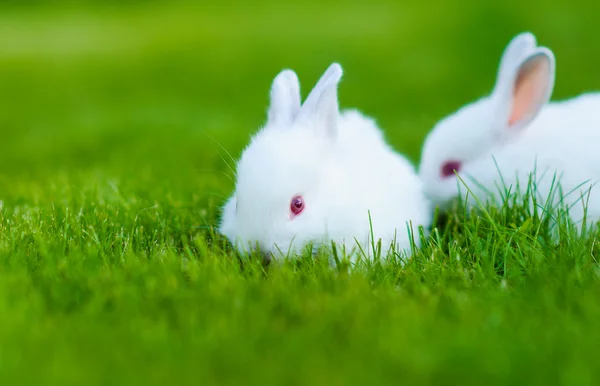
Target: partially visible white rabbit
column 312, row 175
column 500, row 140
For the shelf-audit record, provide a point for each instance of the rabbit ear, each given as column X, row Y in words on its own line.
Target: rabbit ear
column 533, row 87
column 285, row 99
column 518, row 49
column 528, row 89
column 321, row 105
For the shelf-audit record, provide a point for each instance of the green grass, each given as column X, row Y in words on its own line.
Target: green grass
column 111, row 272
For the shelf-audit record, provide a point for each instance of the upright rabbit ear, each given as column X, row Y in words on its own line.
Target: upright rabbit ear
column 532, row 88
column 321, row 106
column 285, row 99
column 515, row 52
column 526, row 89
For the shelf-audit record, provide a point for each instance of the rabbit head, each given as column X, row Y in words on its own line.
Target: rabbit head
column 524, row 84
column 278, row 205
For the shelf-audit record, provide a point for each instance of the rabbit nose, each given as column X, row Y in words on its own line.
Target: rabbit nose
column 266, row 254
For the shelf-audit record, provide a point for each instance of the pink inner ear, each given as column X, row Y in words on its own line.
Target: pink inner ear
column 530, row 88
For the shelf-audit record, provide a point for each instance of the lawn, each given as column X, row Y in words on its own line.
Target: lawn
column 116, row 121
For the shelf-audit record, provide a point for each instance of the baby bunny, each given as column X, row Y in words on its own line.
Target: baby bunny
column 504, row 139
column 314, row 175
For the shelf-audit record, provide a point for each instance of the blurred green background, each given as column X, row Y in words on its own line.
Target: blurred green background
column 112, row 114
column 134, row 87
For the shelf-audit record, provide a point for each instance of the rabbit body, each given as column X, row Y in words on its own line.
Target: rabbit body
column 336, row 165
column 559, row 151
column 500, row 142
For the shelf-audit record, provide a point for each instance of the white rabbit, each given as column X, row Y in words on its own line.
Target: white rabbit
column 503, row 139
column 313, row 175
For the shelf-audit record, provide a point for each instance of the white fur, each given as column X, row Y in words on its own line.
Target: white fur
column 553, row 139
column 339, row 163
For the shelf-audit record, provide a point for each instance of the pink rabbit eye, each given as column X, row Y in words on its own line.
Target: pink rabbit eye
column 297, row 205
column 449, row 168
